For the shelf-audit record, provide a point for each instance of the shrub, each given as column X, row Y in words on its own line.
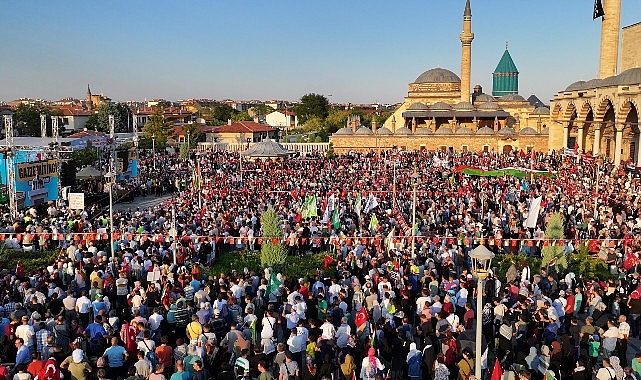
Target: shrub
column 272, row 255
column 554, row 231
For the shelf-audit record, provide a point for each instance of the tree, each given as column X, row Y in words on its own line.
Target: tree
column 260, row 110
column 241, row 116
column 311, row 105
column 193, row 135
column 272, row 254
column 84, row 157
column 26, row 119
column 553, row 255
column 314, row 124
column 160, row 128
column 100, row 120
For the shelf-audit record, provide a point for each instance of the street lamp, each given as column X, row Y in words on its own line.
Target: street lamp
column 153, row 149
column 415, row 178
column 481, row 261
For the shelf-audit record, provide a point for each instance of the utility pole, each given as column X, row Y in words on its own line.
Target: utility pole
column 112, row 179
column 43, row 125
column 11, row 183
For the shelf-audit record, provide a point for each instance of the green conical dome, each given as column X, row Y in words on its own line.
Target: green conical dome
column 506, row 64
column 505, row 77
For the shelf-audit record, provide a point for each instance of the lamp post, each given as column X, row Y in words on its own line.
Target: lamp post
column 599, row 162
column 481, row 261
column 415, row 178
column 153, row 149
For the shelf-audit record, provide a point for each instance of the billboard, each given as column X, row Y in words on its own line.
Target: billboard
column 36, row 178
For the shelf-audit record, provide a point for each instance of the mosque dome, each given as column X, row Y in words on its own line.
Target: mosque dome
column 484, row 98
column 383, row 131
column 443, row 130
column 491, row 106
column 363, row 131
column 438, row 75
column 631, row 76
column 440, row 106
column 403, row 131
column 344, row 131
column 512, row 98
column 507, row 131
column 464, row 131
column 463, row 106
column 527, row 131
column 423, row 131
column 575, row 86
column 485, row 131
column 541, row 111
column 418, row 107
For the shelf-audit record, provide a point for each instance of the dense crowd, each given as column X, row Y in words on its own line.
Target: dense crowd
column 393, row 307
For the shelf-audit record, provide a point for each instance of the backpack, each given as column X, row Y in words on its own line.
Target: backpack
column 151, row 356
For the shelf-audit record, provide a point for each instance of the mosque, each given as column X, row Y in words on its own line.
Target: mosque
column 601, row 116
column 440, row 113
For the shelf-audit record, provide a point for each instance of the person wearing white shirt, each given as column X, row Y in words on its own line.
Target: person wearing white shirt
column 624, row 334
column 26, row 333
column 300, row 307
column 328, row 329
column 83, row 308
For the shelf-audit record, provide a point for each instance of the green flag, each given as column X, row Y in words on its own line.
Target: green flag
column 273, row 284
column 309, row 208
column 358, row 204
column 373, row 223
column 336, row 222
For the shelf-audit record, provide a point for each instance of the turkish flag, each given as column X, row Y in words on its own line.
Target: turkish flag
column 327, row 262
column 361, row 317
column 497, row 372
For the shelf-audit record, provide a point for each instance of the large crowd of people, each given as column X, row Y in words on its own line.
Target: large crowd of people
column 401, row 302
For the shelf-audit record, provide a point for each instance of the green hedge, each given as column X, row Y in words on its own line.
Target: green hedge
column 304, row 266
column 578, row 263
column 31, row 261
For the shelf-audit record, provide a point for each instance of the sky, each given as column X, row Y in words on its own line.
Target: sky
column 350, row 50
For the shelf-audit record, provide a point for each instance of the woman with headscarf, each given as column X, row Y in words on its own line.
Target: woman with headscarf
column 414, row 359
column 347, row 367
column 441, row 372
column 615, row 363
column 580, row 372
column 371, row 365
column 465, row 365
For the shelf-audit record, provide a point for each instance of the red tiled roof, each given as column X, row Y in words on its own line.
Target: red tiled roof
column 180, row 129
column 72, row 111
column 243, row 127
column 286, row 113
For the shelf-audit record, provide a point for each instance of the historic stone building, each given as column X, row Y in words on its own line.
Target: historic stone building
column 439, row 113
column 600, row 116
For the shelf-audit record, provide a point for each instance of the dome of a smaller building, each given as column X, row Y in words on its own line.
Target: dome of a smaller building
column 630, row 76
column 527, row 131
column 489, row 106
column 443, row 130
column 593, row 83
column 464, row 131
column 541, row 111
column 507, row 131
column 485, row 131
column 512, row 98
column 403, row 131
column 418, row 107
column 383, row 131
column 423, row 131
column 363, row 131
column 440, row 106
column 344, row 131
column 438, row 75
column 463, row 106
column 576, row 86
column 610, row 81
column 484, row 98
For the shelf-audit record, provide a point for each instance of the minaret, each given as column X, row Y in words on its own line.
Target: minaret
column 466, row 53
column 610, row 30
column 89, row 101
